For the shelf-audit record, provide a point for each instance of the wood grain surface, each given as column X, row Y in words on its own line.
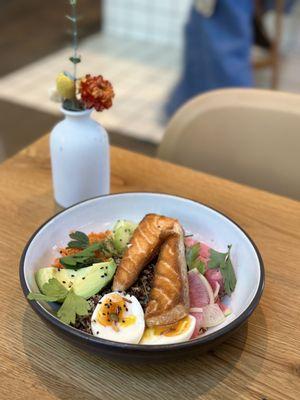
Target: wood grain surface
column 261, row 361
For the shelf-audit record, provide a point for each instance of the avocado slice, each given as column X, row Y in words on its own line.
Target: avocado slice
column 86, row 282
column 64, row 276
column 90, row 280
column 123, row 230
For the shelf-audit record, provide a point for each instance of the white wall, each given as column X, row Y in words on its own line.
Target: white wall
column 159, row 21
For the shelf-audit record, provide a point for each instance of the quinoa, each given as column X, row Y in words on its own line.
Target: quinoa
column 141, row 288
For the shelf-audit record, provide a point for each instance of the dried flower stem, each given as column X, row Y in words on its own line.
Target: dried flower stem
column 75, row 38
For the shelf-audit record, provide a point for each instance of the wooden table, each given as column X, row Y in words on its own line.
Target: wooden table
column 261, row 361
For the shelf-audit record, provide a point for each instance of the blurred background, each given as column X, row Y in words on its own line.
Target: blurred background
column 154, row 52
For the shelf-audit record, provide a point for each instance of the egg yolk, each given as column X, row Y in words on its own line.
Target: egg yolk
column 173, row 329
column 112, row 310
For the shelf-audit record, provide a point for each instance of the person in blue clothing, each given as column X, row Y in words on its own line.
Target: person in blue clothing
column 218, row 40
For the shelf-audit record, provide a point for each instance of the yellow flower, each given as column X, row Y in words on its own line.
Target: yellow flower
column 65, row 86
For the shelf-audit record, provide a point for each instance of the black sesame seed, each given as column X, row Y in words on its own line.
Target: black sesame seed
column 103, row 313
column 83, row 277
column 123, row 320
column 102, row 276
column 97, row 332
column 105, row 274
column 63, row 281
column 72, row 276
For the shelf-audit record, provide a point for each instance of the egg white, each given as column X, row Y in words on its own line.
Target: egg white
column 150, row 337
column 126, row 334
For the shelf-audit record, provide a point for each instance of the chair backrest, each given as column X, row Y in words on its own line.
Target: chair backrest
column 248, row 135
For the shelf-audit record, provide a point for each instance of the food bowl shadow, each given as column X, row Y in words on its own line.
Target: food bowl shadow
column 69, row 372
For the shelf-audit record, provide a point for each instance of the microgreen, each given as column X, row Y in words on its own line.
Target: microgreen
column 223, row 261
column 192, row 258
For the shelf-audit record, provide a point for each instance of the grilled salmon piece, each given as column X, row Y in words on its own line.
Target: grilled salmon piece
column 143, row 247
column 169, row 296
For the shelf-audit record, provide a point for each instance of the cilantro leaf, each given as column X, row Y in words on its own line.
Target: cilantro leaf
column 41, row 297
column 82, row 258
column 223, row 261
column 216, row 259
column 53, row 290
column 229, row 276
column 192, row 260
column 87, row 256
column 80, row 240
column 200, row 266
column 73, row 305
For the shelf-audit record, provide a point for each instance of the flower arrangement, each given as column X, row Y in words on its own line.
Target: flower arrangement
column 87, row 92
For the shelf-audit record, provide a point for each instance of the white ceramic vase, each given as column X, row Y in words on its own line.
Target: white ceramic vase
column 79, row 150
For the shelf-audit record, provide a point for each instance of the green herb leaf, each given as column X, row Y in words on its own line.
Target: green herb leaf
column 73, row 305
column 73, row 105
column 199, row 265
column 222, row 261
column 41, row 297
column 216, row 259
column 192, row 254
column 114, row 317
column 68, row 261
column 80, row 241
column 192, row 258
column 87, row 256
column 81, row 259
column 53, row 291
column 75, row 60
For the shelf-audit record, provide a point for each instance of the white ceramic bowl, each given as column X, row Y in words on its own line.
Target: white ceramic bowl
column 100, row 213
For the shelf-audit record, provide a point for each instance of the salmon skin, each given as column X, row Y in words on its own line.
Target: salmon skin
column 169, row 296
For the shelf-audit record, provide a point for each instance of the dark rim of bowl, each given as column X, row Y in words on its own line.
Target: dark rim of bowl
column 92, row 340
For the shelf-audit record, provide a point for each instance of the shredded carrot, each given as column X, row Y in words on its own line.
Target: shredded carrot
column 93, row 238
column 98, row 237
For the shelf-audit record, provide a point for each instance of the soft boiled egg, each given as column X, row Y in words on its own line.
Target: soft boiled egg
column 167, row 334
column 119, row 318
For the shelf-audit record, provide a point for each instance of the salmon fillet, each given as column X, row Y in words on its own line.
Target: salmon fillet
column 143, row 247
column 169, row 297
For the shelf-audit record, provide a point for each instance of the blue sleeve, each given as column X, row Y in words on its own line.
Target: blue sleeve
column 217, row 51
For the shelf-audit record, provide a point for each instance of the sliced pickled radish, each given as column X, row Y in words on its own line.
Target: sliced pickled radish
column 224, row 308
column 201, row 293
column 216, row 291
column 214, row 276
column 213, row 315
column 198, row 314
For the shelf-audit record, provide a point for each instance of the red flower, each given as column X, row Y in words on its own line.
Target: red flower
column 96, row 92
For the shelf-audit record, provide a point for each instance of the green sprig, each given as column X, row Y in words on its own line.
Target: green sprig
column 192, row 258
column 223, row 261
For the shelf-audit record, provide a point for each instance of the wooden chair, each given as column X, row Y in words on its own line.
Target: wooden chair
column 248, row 135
